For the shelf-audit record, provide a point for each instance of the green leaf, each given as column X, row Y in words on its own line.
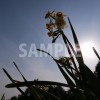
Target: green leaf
column 93, row 82
column 30, row 83
column 54, row 39
column 78, row 49
column 35, row 93
column 86, row 73
column 96, row 53
column 79, row 53
column 69, row 81
column 20, row 72
column 3, row 97
column 13, row 81
column 47, row 94
column 72, row 75
column 66, row 41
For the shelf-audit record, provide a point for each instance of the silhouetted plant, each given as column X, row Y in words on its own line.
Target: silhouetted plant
column 13, row 98
column 3, row 97
column 97, row 70
column 81, row 81
column 55, row 90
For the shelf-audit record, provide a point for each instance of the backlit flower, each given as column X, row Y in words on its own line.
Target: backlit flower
column 48, row 15
column 56, row 22
column 59, row 14
column 60, row 23
column 50, row 34
column 60, row 20
column 49, row 26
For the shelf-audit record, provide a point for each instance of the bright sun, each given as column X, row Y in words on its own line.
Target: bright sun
column 87, row 50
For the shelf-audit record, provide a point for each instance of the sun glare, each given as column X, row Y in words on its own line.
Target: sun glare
column 87, row 50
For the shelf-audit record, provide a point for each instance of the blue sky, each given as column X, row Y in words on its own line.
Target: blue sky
column 22, row 21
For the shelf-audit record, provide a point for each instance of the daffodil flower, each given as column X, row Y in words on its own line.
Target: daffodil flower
column 60, row 21
column 49, row 14
column 59, row 14
column 57, row 19
column 50, row 34
column 56, row 22
column 49, row 27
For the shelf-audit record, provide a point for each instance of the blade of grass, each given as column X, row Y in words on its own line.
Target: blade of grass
column 70, row 82
column 69, row 51
column 72, row 75
column 64, row 36
column 92, row 81
column 35, row 94
column 30, row 83
column 3, row 97
column 69, row 66
column 77, row 45
column 49, row 95
column 74, row 52
column 46, row 53
column 13, row 81
column 96, row 53
column 79, row 53
column 20, row 72
column 85, row 71
column 66, row 41
column 33, row 91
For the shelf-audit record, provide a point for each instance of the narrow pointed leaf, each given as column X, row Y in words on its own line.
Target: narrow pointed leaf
column 47, row 94
column 70, row 82
column 33, row 91
column 20, row 72
column 69, row 51
column 78, row 49
column 3, row 97
column 35, row 94
column 79, row 53
column 93, row 82
column 30, row 83
column 72, row 75
column 54, row 39
column 13, row 81
column 96, row 53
